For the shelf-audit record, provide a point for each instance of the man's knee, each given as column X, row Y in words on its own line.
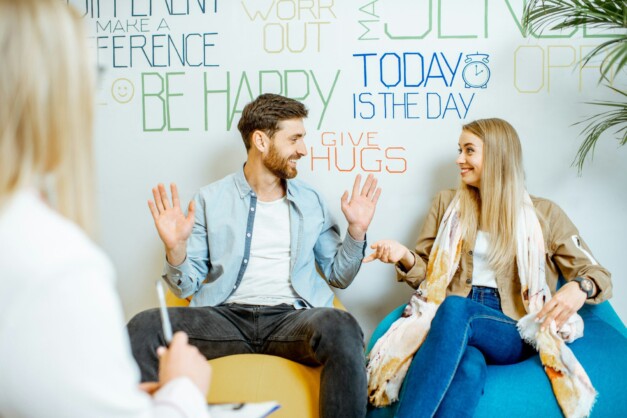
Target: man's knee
column 144, row 323
column 339, row 329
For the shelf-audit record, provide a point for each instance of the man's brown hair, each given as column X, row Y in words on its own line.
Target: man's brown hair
column 264, row 114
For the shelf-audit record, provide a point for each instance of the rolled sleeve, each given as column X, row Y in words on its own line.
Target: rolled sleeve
column 339, row 261
column 355, row 249
column 179, row 278
column 347, row 262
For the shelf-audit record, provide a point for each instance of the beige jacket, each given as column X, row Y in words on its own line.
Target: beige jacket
column 566, row 253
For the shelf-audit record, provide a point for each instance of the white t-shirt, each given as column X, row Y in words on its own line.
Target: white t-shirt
column 482, row 273
column 64, row 349
column 267, row 277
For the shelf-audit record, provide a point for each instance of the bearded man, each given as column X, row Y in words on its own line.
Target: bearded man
column 257, row 253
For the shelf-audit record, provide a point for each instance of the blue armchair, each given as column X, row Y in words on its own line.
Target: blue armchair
column 523, row 390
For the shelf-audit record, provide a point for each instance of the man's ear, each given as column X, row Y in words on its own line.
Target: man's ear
column 260, row 141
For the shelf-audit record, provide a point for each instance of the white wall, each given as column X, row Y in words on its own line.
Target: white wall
column 536, row 84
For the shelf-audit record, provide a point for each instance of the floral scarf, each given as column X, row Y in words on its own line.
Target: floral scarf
column 391, row 356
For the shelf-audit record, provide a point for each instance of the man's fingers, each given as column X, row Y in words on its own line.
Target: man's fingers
column 375, row 198
column 344, row 198
column 153, row 210
column 369, row 258
column 175, row 195
column 367, row 184
column 372, row 188
column 356, row 186
column 191, row 210
column 157, row 195
column 164, row 196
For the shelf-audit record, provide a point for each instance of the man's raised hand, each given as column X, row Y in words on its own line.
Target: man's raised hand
column 172, row 225
column 359, row 209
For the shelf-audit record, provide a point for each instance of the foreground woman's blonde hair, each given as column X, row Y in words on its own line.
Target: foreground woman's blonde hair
column 494, row 206
column 46, row 105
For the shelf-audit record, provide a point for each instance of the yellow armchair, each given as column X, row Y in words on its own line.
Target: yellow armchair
column 260, row 377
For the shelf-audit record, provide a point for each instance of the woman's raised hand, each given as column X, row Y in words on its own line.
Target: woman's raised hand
column 390, row 251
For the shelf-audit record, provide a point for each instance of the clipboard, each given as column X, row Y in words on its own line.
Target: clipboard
column 243, row 410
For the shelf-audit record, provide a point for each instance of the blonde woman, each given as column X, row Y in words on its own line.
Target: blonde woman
column 487, row 256
column 64, row 351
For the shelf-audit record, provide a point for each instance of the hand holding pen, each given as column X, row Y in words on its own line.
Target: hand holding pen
column 179, row 359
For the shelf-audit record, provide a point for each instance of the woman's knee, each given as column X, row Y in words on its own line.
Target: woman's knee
column 453, row 308
column 473, row 366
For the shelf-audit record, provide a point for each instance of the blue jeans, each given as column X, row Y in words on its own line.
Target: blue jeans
column 447, row 374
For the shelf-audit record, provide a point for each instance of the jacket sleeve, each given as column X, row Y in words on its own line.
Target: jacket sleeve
column 427, row 235
column 573, row 257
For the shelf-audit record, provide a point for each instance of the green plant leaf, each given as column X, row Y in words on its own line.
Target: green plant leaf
column 596, row 125
column 599, row 14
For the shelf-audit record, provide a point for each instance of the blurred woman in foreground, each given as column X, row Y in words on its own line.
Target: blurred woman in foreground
column 64, row 350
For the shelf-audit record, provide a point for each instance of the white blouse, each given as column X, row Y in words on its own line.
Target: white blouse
column 482, row 273
column 64, row 349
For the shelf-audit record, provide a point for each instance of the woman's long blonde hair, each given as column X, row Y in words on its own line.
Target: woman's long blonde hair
column 46, row 115
column 494, row 206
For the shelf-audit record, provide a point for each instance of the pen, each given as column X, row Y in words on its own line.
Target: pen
column 165, row 318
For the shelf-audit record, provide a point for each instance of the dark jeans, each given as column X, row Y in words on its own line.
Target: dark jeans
column 319, row 336
column 447, row 375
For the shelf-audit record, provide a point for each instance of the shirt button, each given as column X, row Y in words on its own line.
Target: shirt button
column 245, row 261
column 234, row 287
column 470, row 252
column 248, row 234
column 252, row 209
column 468, row 281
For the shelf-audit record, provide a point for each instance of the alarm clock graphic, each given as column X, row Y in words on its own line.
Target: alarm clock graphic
column 476, row 72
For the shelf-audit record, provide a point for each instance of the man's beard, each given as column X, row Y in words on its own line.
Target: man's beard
column 278, row 165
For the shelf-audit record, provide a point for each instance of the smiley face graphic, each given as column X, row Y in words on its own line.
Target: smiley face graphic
column 122, row 90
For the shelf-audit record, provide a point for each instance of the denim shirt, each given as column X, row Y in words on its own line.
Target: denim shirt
column 218, row 249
